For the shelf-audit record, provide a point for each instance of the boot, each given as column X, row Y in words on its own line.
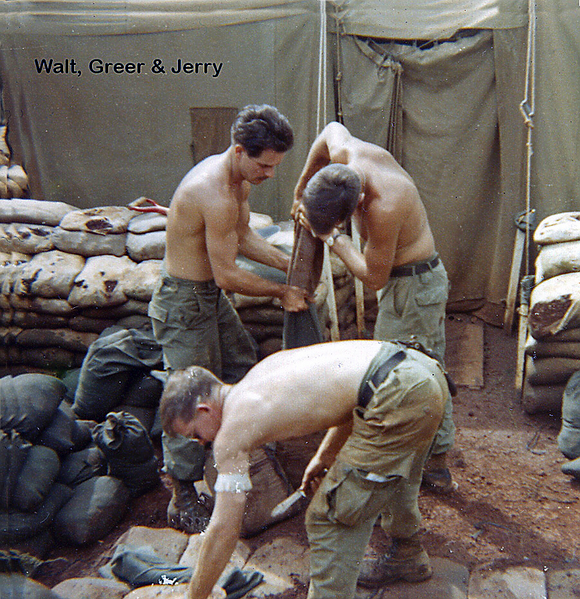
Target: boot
column 436, row 475
column 187, row 511
column 406, row 560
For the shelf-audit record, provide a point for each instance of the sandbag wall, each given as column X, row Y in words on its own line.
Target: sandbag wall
column 13, row 178
column 553, row 344
column 66, row 275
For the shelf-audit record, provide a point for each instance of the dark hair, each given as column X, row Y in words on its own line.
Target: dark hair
column 183, row 391
column 259, row 128
column 330, row 197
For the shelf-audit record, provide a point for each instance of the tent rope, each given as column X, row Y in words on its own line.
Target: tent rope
column 321, row 120
column 527, row 108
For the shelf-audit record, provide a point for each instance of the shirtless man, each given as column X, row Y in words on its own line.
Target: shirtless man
column 381, row 403
column 399, row 256
column 193, row 320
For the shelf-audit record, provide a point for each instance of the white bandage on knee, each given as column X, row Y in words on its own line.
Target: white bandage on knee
column 232, row 483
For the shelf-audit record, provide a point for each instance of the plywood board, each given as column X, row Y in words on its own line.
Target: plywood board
column 464, row 357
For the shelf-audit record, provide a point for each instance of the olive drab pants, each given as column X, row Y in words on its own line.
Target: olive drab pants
column 196, row 324
column 377, row 472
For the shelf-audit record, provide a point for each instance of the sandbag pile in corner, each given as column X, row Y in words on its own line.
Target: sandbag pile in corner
column 553, row 345
column 56, row 480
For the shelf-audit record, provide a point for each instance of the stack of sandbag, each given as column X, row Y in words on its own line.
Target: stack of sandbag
column 62, row 478
column 553, row 344
column 13, row 178
column 66, row 275
column 116, row 375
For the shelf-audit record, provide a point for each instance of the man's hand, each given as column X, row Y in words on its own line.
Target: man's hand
column 313, row 475
column 295, row 299
column 300, row 217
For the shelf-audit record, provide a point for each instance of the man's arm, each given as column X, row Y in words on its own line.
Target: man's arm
column 331, row 145
column 219, row 542
column 222, row 248
column 324, row 457
column 253, row 246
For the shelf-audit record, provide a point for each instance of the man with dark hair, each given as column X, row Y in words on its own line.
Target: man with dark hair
column 330, row 197
column 193, row 320
column 257, row 128
column 381, row 404
column 398, row 258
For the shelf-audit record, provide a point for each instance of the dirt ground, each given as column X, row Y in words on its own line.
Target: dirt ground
column 512, row 504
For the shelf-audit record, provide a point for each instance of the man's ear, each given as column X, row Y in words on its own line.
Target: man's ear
column 202, row 407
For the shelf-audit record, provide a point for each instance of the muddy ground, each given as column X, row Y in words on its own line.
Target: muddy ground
column 512, row 505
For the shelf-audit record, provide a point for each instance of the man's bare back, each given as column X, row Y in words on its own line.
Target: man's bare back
column 391, row 204
column 390, row 215
column 280, row 390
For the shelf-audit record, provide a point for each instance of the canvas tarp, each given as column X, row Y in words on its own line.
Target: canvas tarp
column 106, row 139
column 99, row 138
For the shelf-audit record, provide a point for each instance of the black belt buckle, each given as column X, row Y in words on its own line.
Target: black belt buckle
column 381, row 373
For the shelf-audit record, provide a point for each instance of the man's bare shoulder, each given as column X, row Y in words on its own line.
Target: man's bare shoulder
column 207, row 177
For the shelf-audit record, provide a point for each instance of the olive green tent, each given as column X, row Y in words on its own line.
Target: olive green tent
column 107, row 101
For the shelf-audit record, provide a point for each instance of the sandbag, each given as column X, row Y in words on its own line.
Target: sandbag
column 107, row 369
column 103, row 220
column 143, row 391
column 572, row 468
column 19, row 526
column 147, row 222
column 96, row 507
column 551, row 371
column 49, row 274
column 18, row 586
column 129, row 451
column 79, row 466
column 139, row 282
column 147, row 246
column 32, row 320
column 542, row 398
column 64, row 338
column 100, row 282
column 557, row 259
column 548, row 348
column 43, row 305
column 36, row 478
column 65, row 433
column 89, row 244
column 40, row 212
column 558, row 228
column 28, row 402
column 28, row 239
column 569, row 435
column 555, row 305
column 14, row 450
column 141, row 566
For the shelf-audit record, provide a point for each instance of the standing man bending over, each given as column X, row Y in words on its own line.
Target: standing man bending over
column 381, row 403
column 193, row 320
column 344, row 175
